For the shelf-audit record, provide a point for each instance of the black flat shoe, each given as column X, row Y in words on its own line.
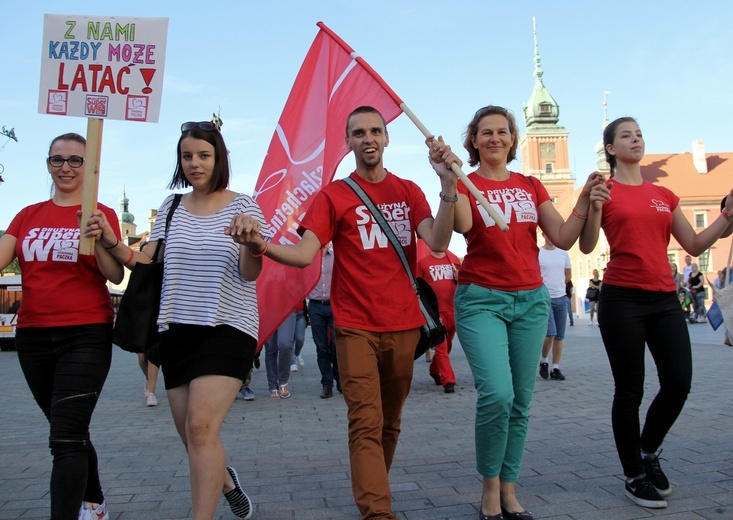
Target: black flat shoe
column 522, row 515
column 482, row 516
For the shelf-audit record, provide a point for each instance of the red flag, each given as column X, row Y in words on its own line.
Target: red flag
column 308, row 144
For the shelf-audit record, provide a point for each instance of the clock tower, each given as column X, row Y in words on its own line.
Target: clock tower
column 544, row 145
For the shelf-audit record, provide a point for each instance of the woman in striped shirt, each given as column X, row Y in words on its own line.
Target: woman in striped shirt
column 208, row 309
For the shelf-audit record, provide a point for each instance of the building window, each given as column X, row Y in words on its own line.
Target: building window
column 700, row 220
column 548, row 167
column 545, row 108
column 704, row 261
column 672, row 257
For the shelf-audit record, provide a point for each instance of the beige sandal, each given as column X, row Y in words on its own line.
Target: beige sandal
column 274, row 394
column 284, row 392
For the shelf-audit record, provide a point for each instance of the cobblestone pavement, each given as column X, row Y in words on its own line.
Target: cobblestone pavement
column 292, row 456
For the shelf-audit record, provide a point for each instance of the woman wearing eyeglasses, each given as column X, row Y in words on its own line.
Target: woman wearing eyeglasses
column 501, row 305
column 64, row 332
column 208, row 309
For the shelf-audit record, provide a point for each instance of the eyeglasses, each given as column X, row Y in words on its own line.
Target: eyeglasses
column 57, row 161
column 206, row 126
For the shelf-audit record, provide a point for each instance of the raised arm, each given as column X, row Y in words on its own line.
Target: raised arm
column 592, row 226
column 564, row 233
column 697, row 243
column 437, row 232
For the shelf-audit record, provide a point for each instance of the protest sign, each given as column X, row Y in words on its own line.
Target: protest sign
column 106, row 67
column 101, row 67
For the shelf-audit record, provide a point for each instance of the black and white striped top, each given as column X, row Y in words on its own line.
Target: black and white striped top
column 201, row 281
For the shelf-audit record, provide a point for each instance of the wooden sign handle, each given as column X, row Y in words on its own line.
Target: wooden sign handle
column 90, row 184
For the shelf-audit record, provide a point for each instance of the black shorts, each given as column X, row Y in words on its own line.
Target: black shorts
column 190, row 351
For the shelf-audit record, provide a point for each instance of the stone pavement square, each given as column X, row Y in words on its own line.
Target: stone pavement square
column 292, row 455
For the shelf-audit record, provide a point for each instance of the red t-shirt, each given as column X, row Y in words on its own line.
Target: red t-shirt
column 60, row 286
column 495, row 259
column 438, row 272
column 637, row 222
column 370, row 289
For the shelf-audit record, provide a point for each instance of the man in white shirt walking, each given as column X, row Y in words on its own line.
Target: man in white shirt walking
column 555, row 267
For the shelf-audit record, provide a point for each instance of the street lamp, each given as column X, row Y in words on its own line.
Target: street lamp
column 605, row 257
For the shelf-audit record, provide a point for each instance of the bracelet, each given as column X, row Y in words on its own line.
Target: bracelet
column 728, row 216
column 108, row 248
column 132, row 254
column 581, row 217
column 257, row 255
column 448, row 198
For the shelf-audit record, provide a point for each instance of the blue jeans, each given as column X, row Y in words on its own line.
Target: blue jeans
column 278, row 351
column 66, row 368
column 324, row 337
column 502, row 335
column 299, row 336
column 570, row 310
column 556, row 322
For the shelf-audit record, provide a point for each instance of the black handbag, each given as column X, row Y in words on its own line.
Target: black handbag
column 136, row 327
column 433, row 332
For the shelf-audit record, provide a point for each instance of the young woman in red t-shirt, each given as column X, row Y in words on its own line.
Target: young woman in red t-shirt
column 638, row 305
column 64, row 334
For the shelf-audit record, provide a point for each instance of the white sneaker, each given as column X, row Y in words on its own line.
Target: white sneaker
column 293, row 367
column 152, row 401
column 301, row 361
column 90, row 511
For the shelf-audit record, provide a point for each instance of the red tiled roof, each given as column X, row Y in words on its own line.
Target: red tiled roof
column 676, row 172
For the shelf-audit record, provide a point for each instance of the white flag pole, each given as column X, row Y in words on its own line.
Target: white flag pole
column 457, row 170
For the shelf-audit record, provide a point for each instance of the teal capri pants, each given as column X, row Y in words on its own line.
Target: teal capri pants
column 502, row 334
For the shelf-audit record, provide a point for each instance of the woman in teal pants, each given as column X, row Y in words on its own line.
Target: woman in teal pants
column 502, row 306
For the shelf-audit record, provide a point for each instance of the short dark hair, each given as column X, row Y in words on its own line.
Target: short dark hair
column 364, row 109
column 220, row 175
column 474, row 157
column 609, row 134
column 71, row 136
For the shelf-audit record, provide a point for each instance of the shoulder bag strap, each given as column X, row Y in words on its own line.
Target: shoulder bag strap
column 389, row 233
column 169, row 216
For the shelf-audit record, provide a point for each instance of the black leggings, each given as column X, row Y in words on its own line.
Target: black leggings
column 65, row 368
column 629, row 318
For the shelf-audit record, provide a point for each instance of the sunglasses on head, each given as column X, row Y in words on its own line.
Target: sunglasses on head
column 57, row 161
column 206, row 126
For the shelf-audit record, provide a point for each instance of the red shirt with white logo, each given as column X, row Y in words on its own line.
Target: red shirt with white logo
column 440, row 274
column 60, row 286
column 370, row 289
column 495, row 259
column 637, row 222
